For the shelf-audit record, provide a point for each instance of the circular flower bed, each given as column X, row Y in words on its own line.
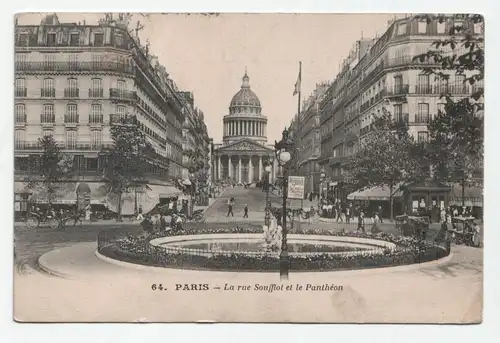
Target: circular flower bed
column 138, row 250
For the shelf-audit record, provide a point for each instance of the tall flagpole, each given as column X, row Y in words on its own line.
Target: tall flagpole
column 299, row 129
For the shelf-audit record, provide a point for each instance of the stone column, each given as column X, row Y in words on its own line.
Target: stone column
column 230, row 166
column 239, row 169
column 219, row 167
column 250, row 170
column 260, row 168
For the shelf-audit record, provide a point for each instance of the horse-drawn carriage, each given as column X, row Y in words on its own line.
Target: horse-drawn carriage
column 413, row 226
column 466, row 230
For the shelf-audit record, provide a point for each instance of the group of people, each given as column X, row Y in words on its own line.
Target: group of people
column 230, row 205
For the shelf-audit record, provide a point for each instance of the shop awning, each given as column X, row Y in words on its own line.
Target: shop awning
column 375, row 193
column 157, row 148
column 165, row 191
column 473, row 196
column 64, row 193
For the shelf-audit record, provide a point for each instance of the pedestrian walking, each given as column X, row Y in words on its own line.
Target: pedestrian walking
column 348, row 214
column 140, row 215
column 246, row 211
column 361, row 221
column 230, row 204
column 380, row 214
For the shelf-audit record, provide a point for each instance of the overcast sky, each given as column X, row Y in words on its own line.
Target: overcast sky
column 208, row 55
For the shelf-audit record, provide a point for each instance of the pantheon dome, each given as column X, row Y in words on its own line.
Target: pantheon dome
column 245, row 119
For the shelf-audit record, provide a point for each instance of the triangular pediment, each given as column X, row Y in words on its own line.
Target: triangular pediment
column 244, row 145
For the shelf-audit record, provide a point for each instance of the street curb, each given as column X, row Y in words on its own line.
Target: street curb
column 46, row 269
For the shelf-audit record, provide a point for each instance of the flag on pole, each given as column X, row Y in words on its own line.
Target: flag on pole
column 299, row 81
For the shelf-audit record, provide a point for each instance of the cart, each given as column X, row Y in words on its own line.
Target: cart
column 466, row 230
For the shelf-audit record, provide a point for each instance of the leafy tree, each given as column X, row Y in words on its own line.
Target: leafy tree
column 126, row 159
column 389, row 156
column 53, row 167
column 456, row 146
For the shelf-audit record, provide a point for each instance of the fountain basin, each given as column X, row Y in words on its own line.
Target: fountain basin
column 253, row 243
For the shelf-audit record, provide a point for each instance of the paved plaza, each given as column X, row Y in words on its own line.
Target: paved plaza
column 48, row 259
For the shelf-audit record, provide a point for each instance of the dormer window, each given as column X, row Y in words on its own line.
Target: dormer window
column 74, row 39
column 51, row 39
column 401, row 29
column 98, row 39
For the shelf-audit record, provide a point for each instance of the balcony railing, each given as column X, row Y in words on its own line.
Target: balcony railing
column 122, row 119
column 48, row 92
column 401, row 118
column 75, row 66
column 21, row 118
column 397, row 90
column 20, row 92
column 96, row 93
column 71, row 118
column 95, row 118
column 115, row 93
column 46, row 118
column 69, row 145
column 424, row 89
column 422, row 118
column 71, row 93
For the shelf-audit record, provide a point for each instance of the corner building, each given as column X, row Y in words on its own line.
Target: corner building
column 73, row 81
column 243, row 152
column 382, row 73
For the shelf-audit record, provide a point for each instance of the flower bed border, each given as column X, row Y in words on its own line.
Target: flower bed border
column 139, row 250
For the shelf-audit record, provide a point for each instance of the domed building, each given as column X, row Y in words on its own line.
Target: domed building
column 243, row 153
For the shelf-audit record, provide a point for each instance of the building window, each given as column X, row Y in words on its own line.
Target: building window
column 422, row 136
column 95, row 114
column 95, row 139
column 23, row 39
column 48, row 89
column 401, row 29
column 51, row 39
column 19, row 139
column 98, row 39
column 443, row 85
column 96, row 91
column 422, row 26
column 121, row 85
column 46, row 133
column 398, row 84
column 423, row 85
column 71, row 90
column 441, row 27
column 20, row 87
column 71, row 139
column 118, row 39
column 97, row 58
column 460, row 86
column 120, row 111
column 48, row 115
column 20, row 113
column 74, row 39
column 71, row 113
column 91, row 164
column 423, row 113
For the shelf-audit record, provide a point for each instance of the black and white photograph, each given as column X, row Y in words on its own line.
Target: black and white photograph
column 248, row 167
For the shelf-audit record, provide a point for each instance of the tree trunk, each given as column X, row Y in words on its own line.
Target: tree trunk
column 119, row 216
column 391, row 202
column 463, row 192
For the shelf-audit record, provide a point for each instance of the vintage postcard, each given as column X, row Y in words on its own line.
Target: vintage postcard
column 315, row 168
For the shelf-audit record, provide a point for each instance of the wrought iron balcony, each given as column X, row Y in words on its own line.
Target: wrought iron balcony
column 21, row 118
column 71, row 92
column 20, row 92
column 96, row 93
column 71, row 118
column 115, row 93
column 75, row 67
column 401, row 118
column 48, row 92
column 398, row 90
column 424, row 89
column 116, row 119
column 95, row 118
column 422, row 118
column 47, row 118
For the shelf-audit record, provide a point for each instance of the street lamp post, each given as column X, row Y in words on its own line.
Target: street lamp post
column 268, row 173
column 321, row 180
column 284, row 151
